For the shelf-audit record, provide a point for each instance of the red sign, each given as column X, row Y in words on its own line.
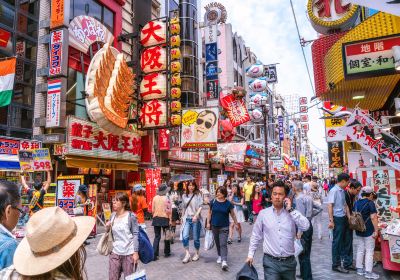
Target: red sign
column 236, row 109
column 303, row 118
column 163, row 140
column 303, row 100
column 305, row 127
column 177, row 154
column 372, row 46
column 30, row 145
column 4, row 38
column 56, row 44
column 9, row 147
column 303, row 109
column 153, row 181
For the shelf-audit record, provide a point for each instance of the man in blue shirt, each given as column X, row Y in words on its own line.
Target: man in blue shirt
column 338, row 212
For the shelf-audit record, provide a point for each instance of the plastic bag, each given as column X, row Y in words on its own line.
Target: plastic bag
column 298, row 248
column 208, row 240
column 138, row 275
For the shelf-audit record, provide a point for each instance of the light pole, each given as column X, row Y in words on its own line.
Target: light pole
column 265, row 111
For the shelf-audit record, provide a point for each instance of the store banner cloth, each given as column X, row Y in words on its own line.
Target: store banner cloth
column 236, row 110
column 387, row 148
column 7, row 75
column 388, row 6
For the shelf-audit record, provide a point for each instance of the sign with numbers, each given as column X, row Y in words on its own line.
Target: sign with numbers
column 35, row 160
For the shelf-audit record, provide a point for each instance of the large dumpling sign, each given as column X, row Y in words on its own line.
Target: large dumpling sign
column 236, row 110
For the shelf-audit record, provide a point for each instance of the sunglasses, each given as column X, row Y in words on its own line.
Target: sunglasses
column 206, row 124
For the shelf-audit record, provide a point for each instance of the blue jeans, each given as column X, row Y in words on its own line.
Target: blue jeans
column 339, row 240
column 195, row 227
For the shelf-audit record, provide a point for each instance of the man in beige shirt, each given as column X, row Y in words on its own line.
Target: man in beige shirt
column 248, row 190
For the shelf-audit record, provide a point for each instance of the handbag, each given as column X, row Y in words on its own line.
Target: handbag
column 78, row 211
column 105, row 245
column 356, row 221
column 137, row 275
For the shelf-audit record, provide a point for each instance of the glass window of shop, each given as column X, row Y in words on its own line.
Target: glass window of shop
column 93, row 9
column 20, row 19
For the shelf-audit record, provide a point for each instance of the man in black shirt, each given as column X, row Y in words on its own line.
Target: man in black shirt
column 36, row 194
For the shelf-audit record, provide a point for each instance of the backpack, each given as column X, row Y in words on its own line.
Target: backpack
column 35, row 200
column 146, row 251
column 356, row 221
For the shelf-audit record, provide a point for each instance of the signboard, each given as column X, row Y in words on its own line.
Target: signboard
column 199, row 130
column 303, row 163
column 29, row 144
column 59, row 15
column 303, row 118
column 305, row 127
column 153, row 182
column 67, row 187
column 211, row 52
column 163, row 139
column 333, row 126
column 87, row 139
column 4, row 38
column 211, row 33
column 212, row 89
column 56, row 108
column 335, row 154
column 20, row 48
column 280, row 127
column 212, row 70
column 303, row 101
column 60, row 149
column 153, row 33
column 372, row 57
column 274, row 151
column 270, row 73
column 236, row 110
column 85, row 30
column 303, row 109
column 391, row 7
column 255, row 156
column 35, row 160
column 178, row 154
column 58, row 49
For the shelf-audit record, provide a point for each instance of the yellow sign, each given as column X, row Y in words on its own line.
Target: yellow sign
column 57, row 13
column 303, row 164
column 189, row 118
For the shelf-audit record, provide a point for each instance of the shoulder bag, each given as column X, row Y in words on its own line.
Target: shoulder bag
column 105, row 245
column 356, row 221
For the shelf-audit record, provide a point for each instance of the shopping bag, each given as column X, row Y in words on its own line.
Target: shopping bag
column 298, row 248
column 208, row 240
column 105, row 245
column 138, row 275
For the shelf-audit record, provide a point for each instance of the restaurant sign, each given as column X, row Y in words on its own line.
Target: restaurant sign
column 335, row 154
column 370, row 57
column 87, row 139
column 56, row 107
column 59, row 13
column 58, row 53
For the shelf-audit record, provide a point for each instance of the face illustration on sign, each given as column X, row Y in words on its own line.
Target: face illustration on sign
column 206, row 120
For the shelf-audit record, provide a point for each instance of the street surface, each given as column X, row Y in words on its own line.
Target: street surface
column 172, row 268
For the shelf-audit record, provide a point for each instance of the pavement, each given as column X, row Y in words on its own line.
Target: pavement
column 172, row 268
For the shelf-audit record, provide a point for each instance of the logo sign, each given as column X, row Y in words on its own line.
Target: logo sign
column 303, row 118
column 163, row 139
column 280, row 126
column 303, row 101
column 9, row 147
column 211, row 34
column 211, row 52
column 305, row 127
column 58, row 53
column 85, row 30
column 30, row 144
column 335, row 154
column 215, row 13
column 370, row 57
column 212, row 89
column 212, row 70
column 59, row 13
column 54, row 114
column 4, row 38
column 270, row 73
column 303, row 109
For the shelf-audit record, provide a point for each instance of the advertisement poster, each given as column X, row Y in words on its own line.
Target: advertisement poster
column 255, row 156
column 335, row 154
column 67, row 187
column 106, row 211
column 35, row 160
column 163, row 139
column 153, row 181
column 236, row 110
column 200, row 129
column 92, row 207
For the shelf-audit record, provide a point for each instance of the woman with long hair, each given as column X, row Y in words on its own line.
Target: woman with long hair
column 53, row 249
column 192, row 203
column 257, row 200
column 237, row 201
column 175, row 196
column 139, row 204
column 228, row 186
column 125, row 232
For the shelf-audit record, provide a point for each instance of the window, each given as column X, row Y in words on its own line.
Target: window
column 21, row 117
column 93, row 9
column 23, row 95
column 11, row 2
column 27, row 26
column 7, row 15
column 30, row 8
column 26, row 48
column 75, row 102
column 3, row 115
column 108, row 19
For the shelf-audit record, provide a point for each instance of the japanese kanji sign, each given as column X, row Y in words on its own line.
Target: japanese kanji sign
column 4, row 38
column 335, row 154
column 29, row 144
column 67, row 187
column 163, row 139
column 59, row 13
column 212, row 89
column 236, row 110
column 153, row 86
column 87, row 139
column 153, row 113
column 153, row 33
column 370, row 57
column 35, row 160
column 270, row 73
column 211, row 33
column 58, row 53
column 280, row 127
column 153, row 181
column 334, row 126
column 56, row 108
column 303, row 101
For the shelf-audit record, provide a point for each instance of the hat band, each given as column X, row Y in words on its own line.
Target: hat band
column 58, row 247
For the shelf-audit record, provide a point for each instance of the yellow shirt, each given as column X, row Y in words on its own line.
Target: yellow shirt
column 248, row 190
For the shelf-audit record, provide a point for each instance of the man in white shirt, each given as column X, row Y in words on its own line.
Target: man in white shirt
column 307, row 183
column 276, row 225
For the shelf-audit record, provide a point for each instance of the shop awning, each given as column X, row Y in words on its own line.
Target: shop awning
column 187, row 165
column 84, row 162
column 9, row 163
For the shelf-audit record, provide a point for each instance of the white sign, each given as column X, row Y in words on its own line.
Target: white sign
column 335, row 134
column 211, row 33
column 53, row 109
column 389, row 6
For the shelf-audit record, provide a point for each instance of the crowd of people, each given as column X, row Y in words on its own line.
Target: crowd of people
column 283, row 213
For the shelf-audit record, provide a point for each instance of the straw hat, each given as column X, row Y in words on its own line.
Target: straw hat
column 52, row 237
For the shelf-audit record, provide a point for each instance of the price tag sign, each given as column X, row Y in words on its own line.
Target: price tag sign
column 35, row 160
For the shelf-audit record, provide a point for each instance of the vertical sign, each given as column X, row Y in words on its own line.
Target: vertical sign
column 20, row 52
column 270, row 74
column 153, row 181
column 163, row 139
column 55, row 106
column 281, row 132
column 67, row 187
column 58, row 53
column 335, row 154
column 59, row 13
column 212, row 83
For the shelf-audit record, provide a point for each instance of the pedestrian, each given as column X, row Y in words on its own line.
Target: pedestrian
column 277, row 225
column 228, row 186
column 192, row 202
column 175, row 196
column 317, row 200
column 218, row 222
column 366, row 239
column 52, row 248
column 332, row 183
column 161, row 220
column 139, row 204
column 338, row 221
column 266, row 196
column 37, row 193
column 81, row 201
column 257, row 201
column 10, row 210
column 248, row 190
column 125, row 232
column 237, row 201
column 307, row 183
column 325, row 186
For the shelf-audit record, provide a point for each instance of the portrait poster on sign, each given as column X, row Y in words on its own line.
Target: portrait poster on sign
column 200, row 129
column 67, row 187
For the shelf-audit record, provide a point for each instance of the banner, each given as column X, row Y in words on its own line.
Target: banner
column 163, row 139
column 360, row 128
column 280, row 126
column 35, row 160
column 67, row 187
column 274, row 151
column 255, row 156
column 236, row 109
column 200, row 129
column 303, row 163
column 92, row 207
column 335, row 154
column 153, row 181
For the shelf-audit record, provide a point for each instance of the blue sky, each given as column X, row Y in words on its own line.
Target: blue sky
column 268, row 28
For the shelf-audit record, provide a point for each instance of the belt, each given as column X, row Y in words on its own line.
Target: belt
column 280, row 259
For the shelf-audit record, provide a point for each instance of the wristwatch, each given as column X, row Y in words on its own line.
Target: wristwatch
column 291, row 210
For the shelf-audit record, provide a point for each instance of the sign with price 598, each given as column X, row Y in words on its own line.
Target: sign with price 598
column 35, row 160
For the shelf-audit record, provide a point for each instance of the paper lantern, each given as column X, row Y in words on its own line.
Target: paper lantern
column 258, row 85
column 153, row 33
column 153, row 86
column 176, row 106
column 176, row 92
column 176, row 119
column 175, row 28
column 153, row 59
column 175, row 53
column 227, row 131
column 256, row 115
column 176, row 66
column 255, row 71
column 153, row 113
column 176, row 80
column 259, row 99
column 175, row 41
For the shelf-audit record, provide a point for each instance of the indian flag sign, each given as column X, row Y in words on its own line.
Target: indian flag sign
column 7, row 74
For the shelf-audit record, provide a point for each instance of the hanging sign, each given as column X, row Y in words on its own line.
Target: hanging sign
column 56, row 107
column 303, row 101
column 58, row 64
column 211, row 52
column 29, row 144
column 236, row 110
column 67, row 187
column 274, row 151
column 211, row 33
column 153, row 182
column 335, row 154
column 303, row 118
column 163, row 139
column 270, row 74
column 20, row 48
column 212, row 89
column 280, row 126
column 153, row 33
column 85, row 30
column 334, row 126
column 59, row 14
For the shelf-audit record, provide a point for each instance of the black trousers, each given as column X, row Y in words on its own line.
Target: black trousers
column 304, row 257
column 157, row 239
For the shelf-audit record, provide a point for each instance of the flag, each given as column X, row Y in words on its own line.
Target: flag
column 7, row 74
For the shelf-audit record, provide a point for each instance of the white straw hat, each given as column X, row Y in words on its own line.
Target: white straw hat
column 51, row 238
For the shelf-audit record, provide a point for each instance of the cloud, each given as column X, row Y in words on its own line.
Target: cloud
column 268, row 28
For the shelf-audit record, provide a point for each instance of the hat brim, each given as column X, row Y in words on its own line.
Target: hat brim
column 29, row 265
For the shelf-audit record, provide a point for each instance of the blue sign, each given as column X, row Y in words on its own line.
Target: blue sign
column 211, row 52
column 296, row 163
column 212, row 70
column 280, row 124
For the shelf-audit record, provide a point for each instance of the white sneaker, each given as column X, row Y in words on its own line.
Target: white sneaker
column 360, row 271
column 219, row 260
column 196, row 257
column 187, row 258
column 371, row 275
column 224, row 266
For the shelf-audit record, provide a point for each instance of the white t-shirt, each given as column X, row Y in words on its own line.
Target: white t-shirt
column 123, row 238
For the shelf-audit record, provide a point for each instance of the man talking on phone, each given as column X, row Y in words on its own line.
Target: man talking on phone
column 276, row 225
